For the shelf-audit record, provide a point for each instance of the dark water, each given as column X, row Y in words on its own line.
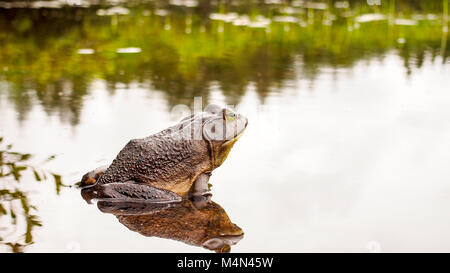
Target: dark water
column 347, row 144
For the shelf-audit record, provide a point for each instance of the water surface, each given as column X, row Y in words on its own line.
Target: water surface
column 347, row 144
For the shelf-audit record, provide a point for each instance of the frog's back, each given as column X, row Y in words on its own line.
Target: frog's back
column 161, row 161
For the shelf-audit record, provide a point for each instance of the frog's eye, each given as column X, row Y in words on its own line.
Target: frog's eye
column 229, row 116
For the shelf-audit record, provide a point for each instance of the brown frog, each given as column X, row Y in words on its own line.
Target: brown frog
column 204, row 224
column 173, row 164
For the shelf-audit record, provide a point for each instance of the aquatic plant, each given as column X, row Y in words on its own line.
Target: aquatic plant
column 15, row 205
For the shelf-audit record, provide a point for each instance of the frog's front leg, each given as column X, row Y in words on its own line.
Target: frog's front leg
column 200, row 187
column 136, row 192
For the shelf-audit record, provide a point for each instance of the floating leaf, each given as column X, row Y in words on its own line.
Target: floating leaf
column 13, row 216
column 2, row 210
column 4, row 192
column 32, row 221
column 28, row 235
column 25, row 157
column 15, row 171
column 36, row 175
column 14, row 166
column 16, row 247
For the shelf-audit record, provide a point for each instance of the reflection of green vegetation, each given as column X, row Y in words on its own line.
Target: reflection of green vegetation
column 184, row 52
column 12, row 168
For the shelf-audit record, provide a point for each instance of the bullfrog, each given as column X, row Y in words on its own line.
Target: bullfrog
column 199, row 223
column 171, row 165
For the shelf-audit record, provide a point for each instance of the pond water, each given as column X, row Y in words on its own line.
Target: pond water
column 347, row 144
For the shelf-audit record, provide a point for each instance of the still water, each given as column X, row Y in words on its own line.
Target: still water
column 347, row 144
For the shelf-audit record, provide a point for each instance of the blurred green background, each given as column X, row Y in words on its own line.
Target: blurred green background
column 184, row 46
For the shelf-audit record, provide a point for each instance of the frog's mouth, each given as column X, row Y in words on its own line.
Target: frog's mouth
column 219, row 154
column 236, row 137
column 222, row 152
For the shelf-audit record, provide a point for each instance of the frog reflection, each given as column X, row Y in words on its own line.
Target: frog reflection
column 200, row 222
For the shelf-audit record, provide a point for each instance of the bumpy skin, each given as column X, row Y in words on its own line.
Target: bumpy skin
column 164, row 166
column 206, row 225
column 160, row 161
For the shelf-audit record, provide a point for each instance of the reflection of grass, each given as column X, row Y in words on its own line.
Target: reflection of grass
column 27, row 210
column 13, row 165
column 39, row 53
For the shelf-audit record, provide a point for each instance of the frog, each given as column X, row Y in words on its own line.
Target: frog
column 198, row 223
column 171, row 165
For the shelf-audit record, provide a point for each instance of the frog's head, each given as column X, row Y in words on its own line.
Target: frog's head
column 221, row 129
column 218, row 127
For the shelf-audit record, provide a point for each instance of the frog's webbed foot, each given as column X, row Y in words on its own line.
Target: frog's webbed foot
column 92, row 177
column 136, row 192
